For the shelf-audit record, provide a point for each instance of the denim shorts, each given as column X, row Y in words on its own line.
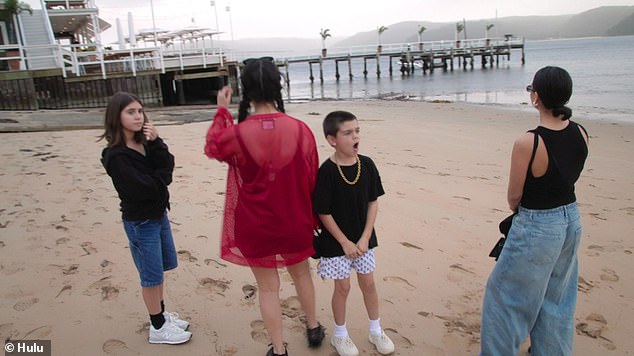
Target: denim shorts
column 152, row 248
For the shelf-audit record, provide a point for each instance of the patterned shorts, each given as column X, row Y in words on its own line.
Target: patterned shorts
column 340, row 267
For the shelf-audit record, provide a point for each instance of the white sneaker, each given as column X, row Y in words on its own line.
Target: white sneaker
column 383, row 344
column 174, row 319
column 169, row 334
column 344, row 345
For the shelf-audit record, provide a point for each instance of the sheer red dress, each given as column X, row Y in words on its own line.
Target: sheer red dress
column 273, row 162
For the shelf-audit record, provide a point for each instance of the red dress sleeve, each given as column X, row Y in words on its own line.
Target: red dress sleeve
column 220, row 141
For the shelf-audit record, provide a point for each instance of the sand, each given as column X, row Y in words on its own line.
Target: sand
column 67, row 274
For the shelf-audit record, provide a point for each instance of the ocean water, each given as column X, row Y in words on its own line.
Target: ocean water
column 602, row 70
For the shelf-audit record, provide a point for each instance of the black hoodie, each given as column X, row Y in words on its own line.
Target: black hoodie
column 141, row 181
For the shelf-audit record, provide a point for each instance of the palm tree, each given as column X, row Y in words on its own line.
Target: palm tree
column 459, row 28
column 324, row 34
column 486, row 34
column 420, row 31
column 380, row 31
column 487, row 28
column 7, row 14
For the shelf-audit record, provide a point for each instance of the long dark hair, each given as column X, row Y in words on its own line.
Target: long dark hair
column 113, row 130
column 261, row 83
column 554, row 87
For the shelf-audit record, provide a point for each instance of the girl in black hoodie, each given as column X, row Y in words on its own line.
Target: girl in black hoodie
column 141, row 167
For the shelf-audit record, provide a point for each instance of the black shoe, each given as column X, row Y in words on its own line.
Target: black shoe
column 315, row 335
column 271, row 353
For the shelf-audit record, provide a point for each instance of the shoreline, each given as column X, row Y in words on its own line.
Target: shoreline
column 91, row 118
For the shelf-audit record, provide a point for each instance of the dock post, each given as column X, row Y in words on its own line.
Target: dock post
column 337, row 70
column 451, row 65
column 349, row 67
column 310, row 69
column 378, row 65
column 321, row 70
column 523, row 59
column 365, row 67
column 287, row 79
column 390, row 67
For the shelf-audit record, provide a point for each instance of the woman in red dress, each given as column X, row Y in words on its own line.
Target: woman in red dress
column 268, row 220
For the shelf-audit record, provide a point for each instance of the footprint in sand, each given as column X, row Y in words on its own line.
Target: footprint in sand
column 212, row 286
column 61, row 240
column 609, row 275
column 249, row 291
column 185, row 255
column 72, row 269
column 64, row 289
column 104, row 288
column 25, row 304
column 258, row 332
column 593, row 326
column 457, row 272
column 400, row 281
column 583, row 285
column 291, row 307
column 399, row 340
column 595, row 250
column 144, row 328
column 88, row 248
column 117, row 347
column 211, row 261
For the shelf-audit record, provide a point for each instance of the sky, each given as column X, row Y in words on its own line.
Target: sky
column 304, row 19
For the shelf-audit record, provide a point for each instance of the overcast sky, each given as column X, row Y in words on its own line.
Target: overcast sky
column 299, row 18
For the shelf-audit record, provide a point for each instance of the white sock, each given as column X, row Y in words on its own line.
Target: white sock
column 341, row 331
column 375, row 327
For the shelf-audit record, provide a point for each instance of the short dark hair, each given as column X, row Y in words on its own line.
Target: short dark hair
column 554, row 87
column 333, row 120
column 261, row 83
column 113, row 130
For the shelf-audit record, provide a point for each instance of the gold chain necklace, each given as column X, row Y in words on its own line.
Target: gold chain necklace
column 356, row 179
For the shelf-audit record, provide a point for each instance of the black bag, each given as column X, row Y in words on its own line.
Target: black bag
column 505, row 226
column 317, row 244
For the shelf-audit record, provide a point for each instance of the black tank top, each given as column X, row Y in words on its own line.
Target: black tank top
column 567, row 153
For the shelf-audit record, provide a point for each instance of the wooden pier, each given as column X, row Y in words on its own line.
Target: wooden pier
column 426, row 57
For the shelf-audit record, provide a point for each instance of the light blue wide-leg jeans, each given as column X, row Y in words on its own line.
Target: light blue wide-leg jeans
column 533, row 288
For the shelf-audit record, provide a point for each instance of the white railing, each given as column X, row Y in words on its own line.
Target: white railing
column 76, row 60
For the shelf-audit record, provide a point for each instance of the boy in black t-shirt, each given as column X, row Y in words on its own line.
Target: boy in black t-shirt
column 348, row 186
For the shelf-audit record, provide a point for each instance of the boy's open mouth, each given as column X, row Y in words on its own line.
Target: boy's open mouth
column 356, row 146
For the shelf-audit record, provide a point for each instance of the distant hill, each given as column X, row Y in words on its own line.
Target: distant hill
column 623, row 28
column 598, row 22
column 601, row 21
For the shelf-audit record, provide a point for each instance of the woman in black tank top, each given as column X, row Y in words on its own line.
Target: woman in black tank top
column 532, row 289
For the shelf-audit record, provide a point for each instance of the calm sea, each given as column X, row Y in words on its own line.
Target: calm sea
column 602, row 70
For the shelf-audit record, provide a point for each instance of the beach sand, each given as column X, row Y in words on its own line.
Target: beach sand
column 67, row 274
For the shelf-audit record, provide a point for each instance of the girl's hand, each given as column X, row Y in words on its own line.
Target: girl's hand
column 150, row 131
column 224, row 97
column 351, row 250
column 363, row 245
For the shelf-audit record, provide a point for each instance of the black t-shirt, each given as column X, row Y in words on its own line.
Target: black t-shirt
column 348, row 204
